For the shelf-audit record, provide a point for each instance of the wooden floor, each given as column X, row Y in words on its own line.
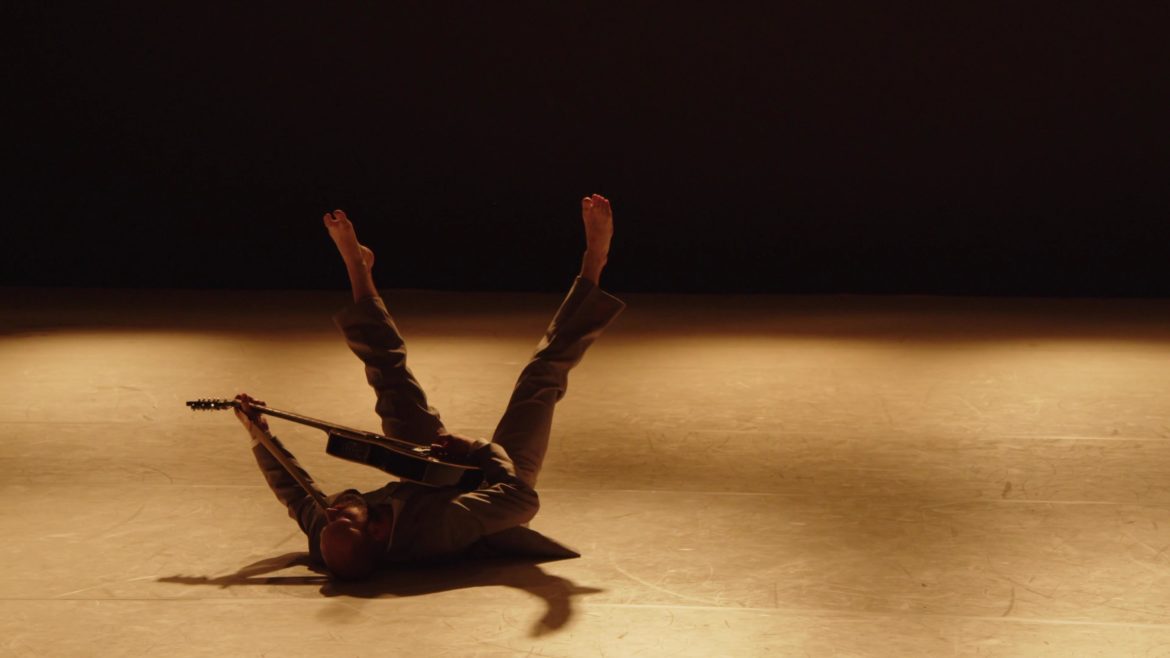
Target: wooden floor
column 745, row 476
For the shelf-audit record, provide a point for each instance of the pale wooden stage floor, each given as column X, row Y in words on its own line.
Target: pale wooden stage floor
column 746, row 476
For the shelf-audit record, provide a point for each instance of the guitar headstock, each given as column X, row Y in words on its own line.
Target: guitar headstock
column 208, row 404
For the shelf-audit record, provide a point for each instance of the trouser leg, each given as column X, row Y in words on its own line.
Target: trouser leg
column 372, row 335
column 527, row 422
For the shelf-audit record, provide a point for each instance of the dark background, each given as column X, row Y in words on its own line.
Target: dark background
column 972, row 148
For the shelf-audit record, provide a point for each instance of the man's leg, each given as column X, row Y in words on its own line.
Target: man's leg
column 584, row 314
column 372, row 335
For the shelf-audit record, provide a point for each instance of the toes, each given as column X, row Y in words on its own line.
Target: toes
column 340, row 214
column 601, row 204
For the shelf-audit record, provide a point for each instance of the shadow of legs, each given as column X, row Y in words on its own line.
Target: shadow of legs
column 556, row 592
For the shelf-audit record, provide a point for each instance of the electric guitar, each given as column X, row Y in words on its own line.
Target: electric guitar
column 404, row 459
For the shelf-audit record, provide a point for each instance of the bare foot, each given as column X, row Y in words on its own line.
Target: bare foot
column 598, row 217
column 341, row 230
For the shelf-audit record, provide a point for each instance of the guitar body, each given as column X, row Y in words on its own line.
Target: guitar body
column 371, row 452
column 394, row 456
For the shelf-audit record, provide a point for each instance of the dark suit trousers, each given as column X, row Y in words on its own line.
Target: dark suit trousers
column 524, row 429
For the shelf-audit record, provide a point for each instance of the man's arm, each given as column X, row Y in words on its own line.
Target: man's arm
column 503, row 500
column 300, row 498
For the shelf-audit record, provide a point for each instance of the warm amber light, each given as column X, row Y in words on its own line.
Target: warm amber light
column 771, row 476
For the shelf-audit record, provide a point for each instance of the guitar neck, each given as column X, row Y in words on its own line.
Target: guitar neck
column 334, row 428
column 407, row 460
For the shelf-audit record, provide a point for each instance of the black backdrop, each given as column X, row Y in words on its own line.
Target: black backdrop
column 997, row 148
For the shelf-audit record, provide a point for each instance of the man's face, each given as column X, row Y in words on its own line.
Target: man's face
column 349, row 509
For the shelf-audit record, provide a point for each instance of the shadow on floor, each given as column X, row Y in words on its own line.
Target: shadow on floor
column 416, row 580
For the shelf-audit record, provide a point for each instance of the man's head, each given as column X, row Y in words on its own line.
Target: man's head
column 354, row 537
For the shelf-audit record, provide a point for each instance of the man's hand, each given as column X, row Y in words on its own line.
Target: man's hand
column 249, row 416
column 452, row 448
